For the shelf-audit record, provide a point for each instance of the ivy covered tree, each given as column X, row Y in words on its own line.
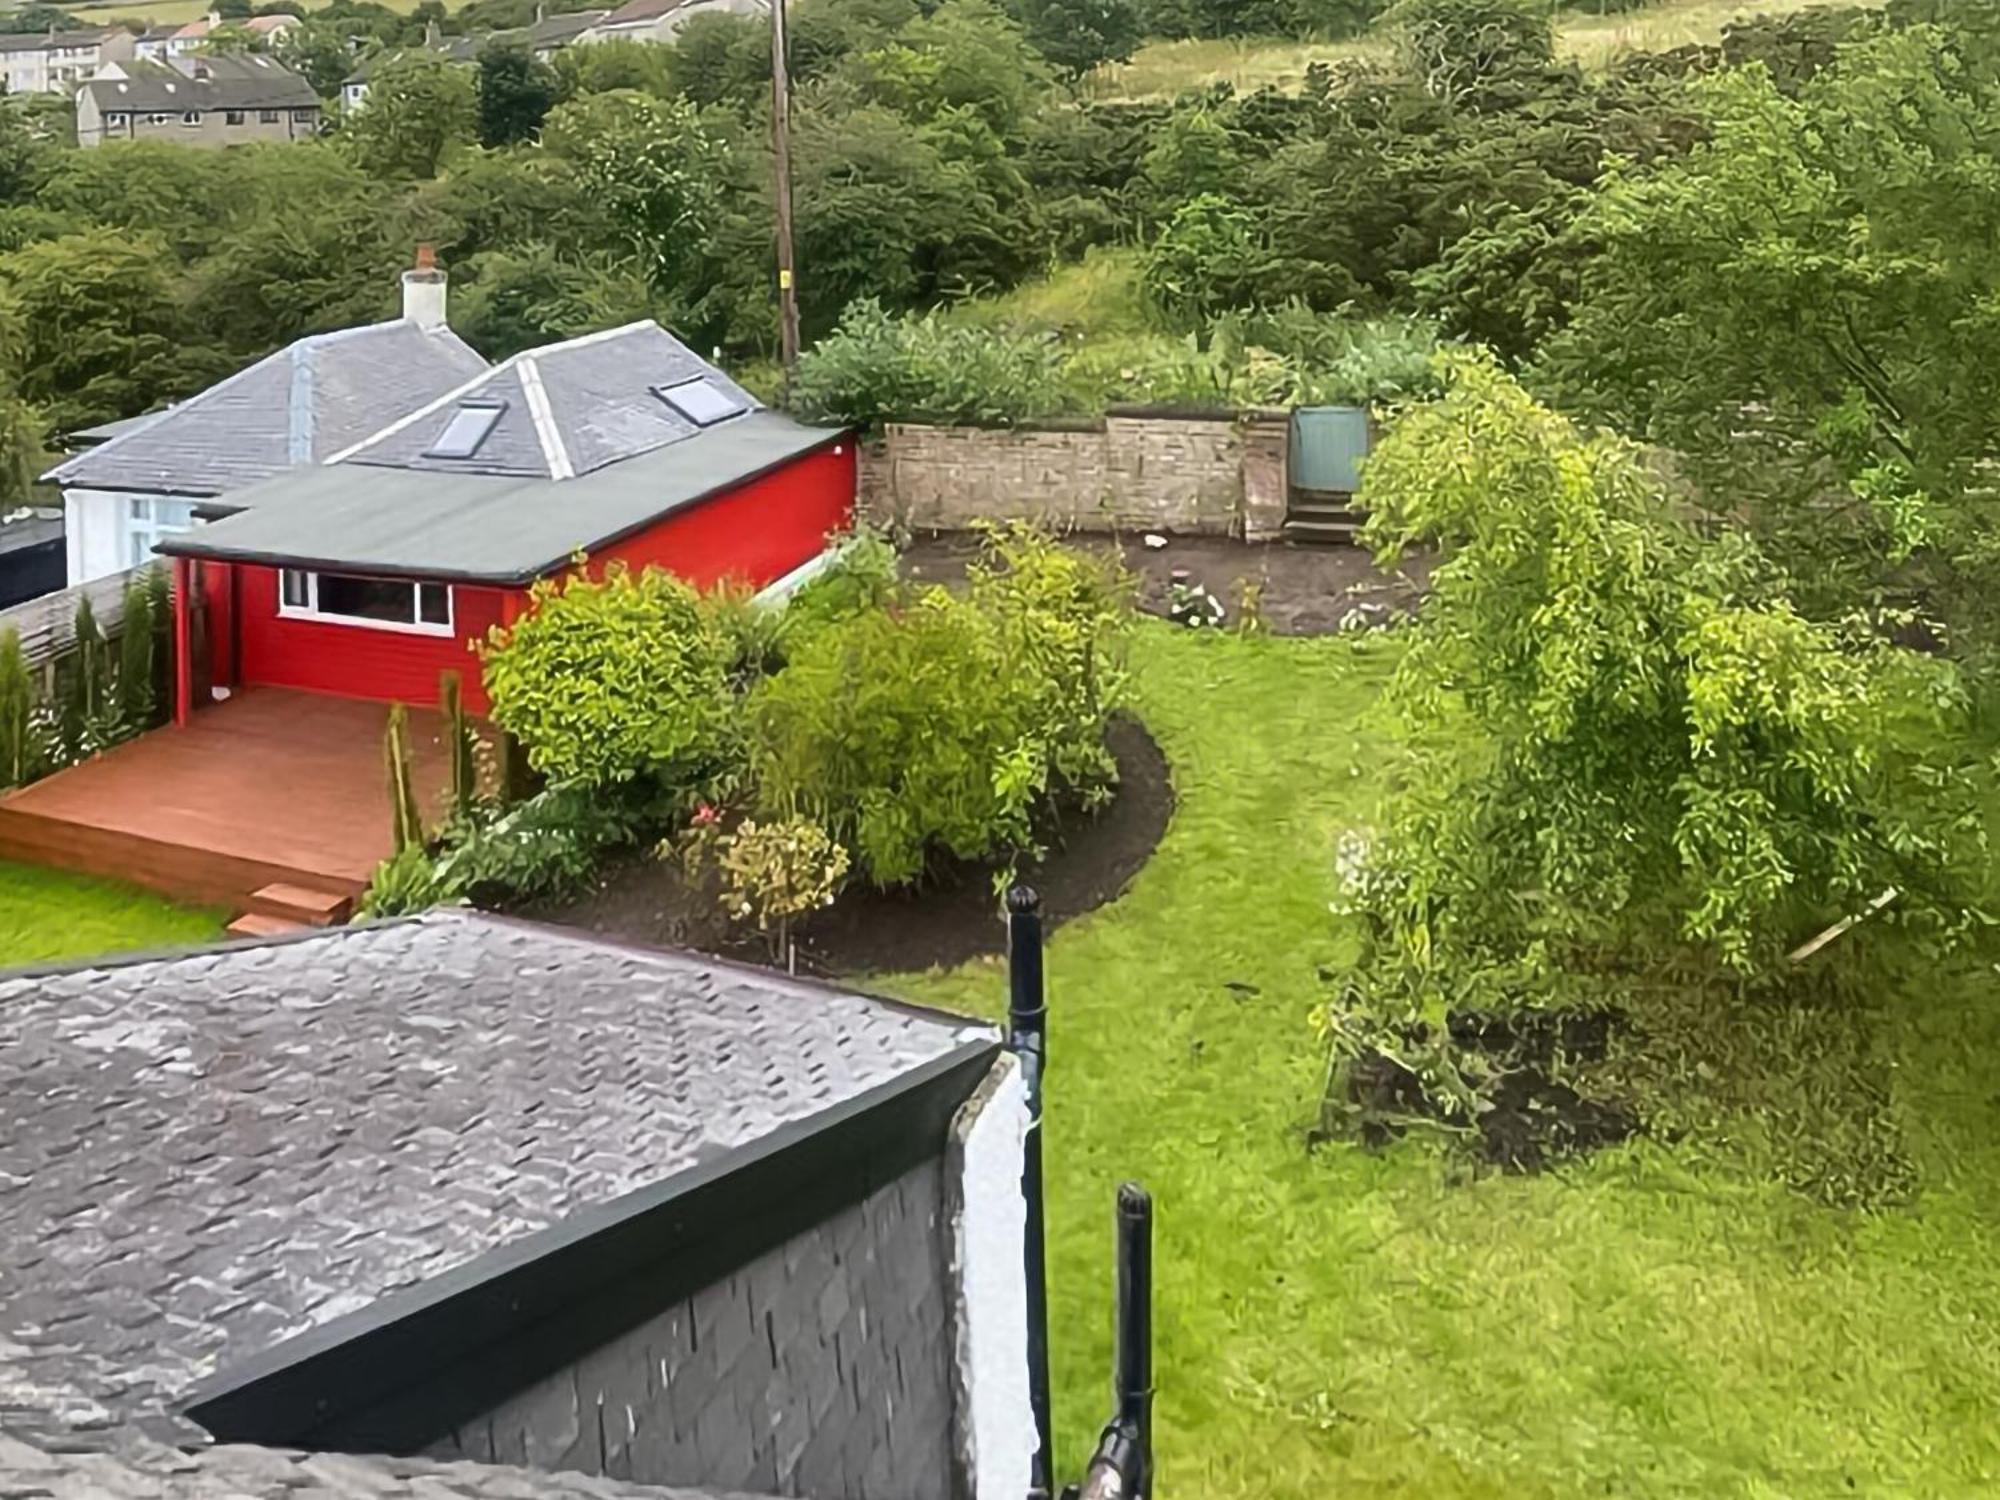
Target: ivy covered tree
column 1630, row 749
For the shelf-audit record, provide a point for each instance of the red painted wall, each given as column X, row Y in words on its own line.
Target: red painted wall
column 754, row 534
column 352, row 660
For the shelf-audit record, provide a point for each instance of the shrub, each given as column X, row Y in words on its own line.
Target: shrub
column 865, row 574
column 943, row 727
column 616, row 679
column 21, row 754
column 1206, row 261
column 138, row 638
column 402, row 885
column 545, row 847
column 876, row 368
column 774, row 873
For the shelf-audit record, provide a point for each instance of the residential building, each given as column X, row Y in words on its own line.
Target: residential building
column 185, row 40
column 661, row 20
column 546, row 37
column 138, row 482
column 155, row 42
column 545, row 1216
column 57, row 61
column 31, row 555
column 197, row 101
column 373, row 573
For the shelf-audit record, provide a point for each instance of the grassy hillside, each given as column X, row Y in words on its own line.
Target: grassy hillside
column 1167, row 68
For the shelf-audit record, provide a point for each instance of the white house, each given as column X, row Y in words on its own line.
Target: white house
column 130, row 483
column 55, row 62
column 661, row 20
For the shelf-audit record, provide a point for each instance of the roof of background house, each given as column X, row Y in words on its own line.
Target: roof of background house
column 485, row 528
column 44, row 41
column 634, row 12
column 104, row 432
column 227, row 1166
column 545, row 35
column 252, row 81
column 164, row 33
column 36, row 531
column 302, row 404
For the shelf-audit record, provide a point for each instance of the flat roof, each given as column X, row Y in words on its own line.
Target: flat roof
column 219, row 1164
column 485, row 528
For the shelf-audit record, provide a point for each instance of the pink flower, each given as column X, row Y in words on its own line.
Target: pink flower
column 706, row 815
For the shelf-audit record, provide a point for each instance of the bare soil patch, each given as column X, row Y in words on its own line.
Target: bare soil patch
column 1305, row 590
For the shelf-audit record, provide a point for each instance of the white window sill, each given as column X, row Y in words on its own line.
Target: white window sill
column 357, row 622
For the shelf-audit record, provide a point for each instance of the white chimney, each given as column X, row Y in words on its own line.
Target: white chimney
column 423, row 290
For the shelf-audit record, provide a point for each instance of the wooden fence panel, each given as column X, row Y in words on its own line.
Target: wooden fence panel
column 48, row 624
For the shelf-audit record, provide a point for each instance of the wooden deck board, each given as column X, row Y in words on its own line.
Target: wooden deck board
column 288, row 784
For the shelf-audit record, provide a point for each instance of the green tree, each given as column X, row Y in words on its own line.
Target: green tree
column 516, row 92
column 420, row 108
column 1206, row 261
column 1079, row 35
column 1806, row 308
column 652, row 167
column 320, row 51
column 1453, row 46
column 102, row 329
column 1630, row 752
column 514, row 299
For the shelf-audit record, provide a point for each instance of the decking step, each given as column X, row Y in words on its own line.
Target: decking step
column 303, row 904
column 1321, row 531
column 256, row 924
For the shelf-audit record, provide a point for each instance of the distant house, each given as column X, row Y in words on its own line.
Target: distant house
column 546, row 37
column 184, row 40
column 463, row 1208
column 197, row 101
column 131, row 484
column 31, row 556
column 56, row 62
column 661, row 20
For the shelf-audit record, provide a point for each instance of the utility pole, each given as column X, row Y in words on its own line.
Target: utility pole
column 781, row 145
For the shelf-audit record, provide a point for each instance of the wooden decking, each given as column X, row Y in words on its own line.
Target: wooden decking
column 269, row 788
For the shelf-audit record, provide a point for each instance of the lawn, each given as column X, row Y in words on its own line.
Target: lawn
column 1654, row 1322
column 1164, row 69
column 47, row 915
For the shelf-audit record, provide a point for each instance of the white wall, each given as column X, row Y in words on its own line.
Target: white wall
column 97, row 531
column 995, row 1418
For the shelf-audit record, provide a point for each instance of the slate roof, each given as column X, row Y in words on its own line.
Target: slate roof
column 583, row 453
column 546, row 35
column 310, row 399
column 134, row 1468
column 252, row 81
column 572, row 408
column 42, row 41
column 206, row 1155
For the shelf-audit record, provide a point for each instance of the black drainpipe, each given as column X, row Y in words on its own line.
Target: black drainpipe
column 1028, row 1039
column 1122, row 1466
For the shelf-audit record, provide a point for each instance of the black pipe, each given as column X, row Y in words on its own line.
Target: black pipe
column 1027, row 1039
column 1122, row 1466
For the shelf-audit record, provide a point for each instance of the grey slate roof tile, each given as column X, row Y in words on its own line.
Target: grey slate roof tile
column 600, row 403
column 134, row 1468
column 302, row 404
column 204, row 1155
column 252, row 81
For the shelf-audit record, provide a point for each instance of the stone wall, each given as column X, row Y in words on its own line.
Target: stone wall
column 1192, row 475
column 822, row 1368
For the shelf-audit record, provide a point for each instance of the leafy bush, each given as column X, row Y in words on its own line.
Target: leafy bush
column 402, row 885
column 545, row 847
column 865, row 574
column 1632, row 755
column 22, row 754
column 877, row 367
column 942, row 727
column 614, row 679
column 1207, row 260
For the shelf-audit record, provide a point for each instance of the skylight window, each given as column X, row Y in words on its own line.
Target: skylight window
column 469, row 426
column 701, row 401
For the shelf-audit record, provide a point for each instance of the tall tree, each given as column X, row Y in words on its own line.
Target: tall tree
column 1079, row 35
column 102, row 330
column 1807, row 309
column 420, row 108
column 516, row 92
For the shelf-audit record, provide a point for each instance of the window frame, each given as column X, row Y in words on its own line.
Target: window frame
column 416, row 625
column 233, row 117
column 143, row 523
column 191, row 119
column 270, row 117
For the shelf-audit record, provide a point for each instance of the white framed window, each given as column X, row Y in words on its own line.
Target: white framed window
column 190, row 117
column 147, row 520
column 267, row 117
column 371, row 603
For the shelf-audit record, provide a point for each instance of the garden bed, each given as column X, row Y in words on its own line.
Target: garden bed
column 947, row 921
column 1305, row 590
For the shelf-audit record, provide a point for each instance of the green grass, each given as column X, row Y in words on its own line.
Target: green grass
column 1654, row 1322
column 47, row 915
column 1165, row 69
